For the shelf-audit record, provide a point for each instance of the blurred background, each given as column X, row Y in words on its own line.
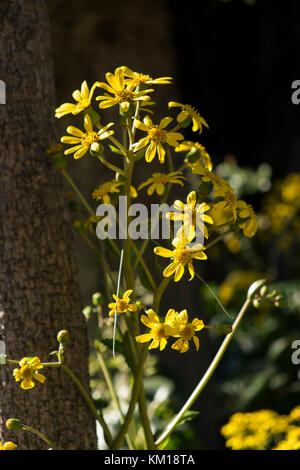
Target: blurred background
column 235, row 62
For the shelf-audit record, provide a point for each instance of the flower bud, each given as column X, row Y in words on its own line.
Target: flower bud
column 79, row 227
column 63, row 337
column 263, row 291
column 87, row 311
column 97, row 299
column 96, row 149
column 256, row 303
column 13, row 424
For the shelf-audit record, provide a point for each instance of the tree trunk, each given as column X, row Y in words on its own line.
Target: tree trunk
column 39, row 291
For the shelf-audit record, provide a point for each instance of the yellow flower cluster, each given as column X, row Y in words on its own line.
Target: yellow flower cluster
column 29, row 367
column 263, row 430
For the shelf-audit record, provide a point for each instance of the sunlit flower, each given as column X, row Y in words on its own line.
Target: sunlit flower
column 158, row 181
column 8, row 446
column 102, row 193
column 182, row 255
column 159, row 332
column 229, row 201
column 84, row 140
column 210, row 177
column 122, row 305
column 28, row 371
column 142, row 79
column 188, row 111
column 197, row 156
column 83, row 98
column 123, row 94
column 193, row 217
column 246, row 211
column 157, row 136
column 186, row 331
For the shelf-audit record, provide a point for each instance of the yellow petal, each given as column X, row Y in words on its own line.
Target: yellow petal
column 165, row 252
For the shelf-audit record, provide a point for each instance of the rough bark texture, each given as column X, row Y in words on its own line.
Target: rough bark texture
column 39, row 291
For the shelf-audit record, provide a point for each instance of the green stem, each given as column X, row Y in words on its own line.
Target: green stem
column 98, row 415
column 159, row 292
column 41, row 435
column 171, row 426
column 145, row 420
column 78, row 192
column 111, row 166
column 134, row 398
column 216, row 240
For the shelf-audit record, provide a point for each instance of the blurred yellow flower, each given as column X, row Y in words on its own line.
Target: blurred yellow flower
column 158, row 181
column 209, row 176
column 198, row 155
column 229, row 200
column 102, row 193
column 188, row 111
column 122, row 305
column 8, row 446
column 123, row 94
column 182, row 255
column 83, row 98
column 84, row 139
column 28, row 371
column 159, row 332
column 186, row 331
column 245, row 211
column 157, row 136
column 142, row 79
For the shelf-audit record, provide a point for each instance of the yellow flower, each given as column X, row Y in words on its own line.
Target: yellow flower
column 84, row 139
column 197, row 156
column 182, row 256
column 8, row 446
column 83, row 98
column 209, row 176
column 246, row 211
column 229, row 201
column 188, row 111
column 104, row 190
column 186, row 331
column 157, row 136
column 122, row 305
column 159, row 180
column 142, row 79
column 192, row 217
column 123, row 94
column 28, row 371
column 159, row 332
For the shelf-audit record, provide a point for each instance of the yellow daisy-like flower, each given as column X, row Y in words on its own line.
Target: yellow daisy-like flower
column 142, row 79
column 123, row 94
column 193, row 217
column 8, row 446
column 122, row 305
column 182, row 255
column 28, row 371
column 229, row 201
column 188, row 111
column 102, row 193
column 198, row 155
column 83, row 98
column 159, row 332
column 84, row 140
column 245, row 211
column 158, row 181
column 186, row 331
column 209, row 176
column 157, row 136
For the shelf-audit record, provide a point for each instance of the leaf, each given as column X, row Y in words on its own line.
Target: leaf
column 187, row 416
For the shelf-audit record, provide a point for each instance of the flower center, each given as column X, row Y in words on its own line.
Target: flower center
column 187, row 331
column 160, row 178
column 89, row 138
column 183, row 256
column 159, row 331
column 122, row 305
column 157, row 135
column 230, row 198
column 124, row 95
column 27, row 372
column 83, row 104
column 141, row 78
column 189, row 109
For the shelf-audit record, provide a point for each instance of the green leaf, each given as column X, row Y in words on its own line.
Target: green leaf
column 187, row 416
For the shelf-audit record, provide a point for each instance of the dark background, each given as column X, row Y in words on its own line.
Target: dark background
column 234, row 61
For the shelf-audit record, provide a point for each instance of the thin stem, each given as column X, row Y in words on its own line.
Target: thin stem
column 216, row 240
column 41, row 435
column 134, row 398
column 159, row 292
column 117, row 144
column 171, row 426
column 98, row 415
column 111, row 166
column 145, row 420
column 78, row 192
column 113, row 394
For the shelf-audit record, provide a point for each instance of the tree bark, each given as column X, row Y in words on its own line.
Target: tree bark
column 39, row 291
